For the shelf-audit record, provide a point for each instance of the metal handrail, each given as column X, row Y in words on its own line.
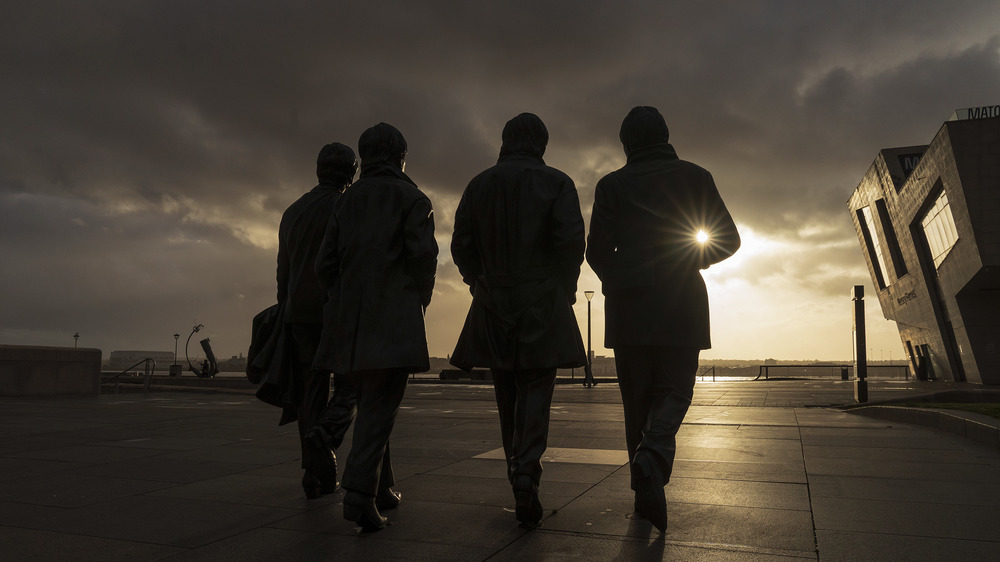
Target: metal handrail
column 149, row 369
column 846, row 369
column 764, row 369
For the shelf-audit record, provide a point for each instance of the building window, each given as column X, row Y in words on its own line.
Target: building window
column 939, row 229
column 898, row 264
column 874, row 247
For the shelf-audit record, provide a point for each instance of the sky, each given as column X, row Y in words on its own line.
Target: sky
column 148, row 149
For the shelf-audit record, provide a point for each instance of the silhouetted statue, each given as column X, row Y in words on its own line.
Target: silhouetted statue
column 299, row 237
column 644, row 246
column 518, row 243
column 378, row 261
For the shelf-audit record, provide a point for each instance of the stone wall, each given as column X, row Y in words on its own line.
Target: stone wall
column 49, row 371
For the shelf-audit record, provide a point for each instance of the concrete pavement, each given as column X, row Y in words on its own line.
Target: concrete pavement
column 765, row 470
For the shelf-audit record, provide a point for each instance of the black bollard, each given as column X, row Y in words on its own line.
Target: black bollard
column 860, row 345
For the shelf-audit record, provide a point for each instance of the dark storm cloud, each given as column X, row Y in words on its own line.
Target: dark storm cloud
column 829, row 136
column 122, row 281
column 149, row 148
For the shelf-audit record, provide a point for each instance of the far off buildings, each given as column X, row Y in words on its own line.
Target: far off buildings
column 127, row 359
column 928, row 219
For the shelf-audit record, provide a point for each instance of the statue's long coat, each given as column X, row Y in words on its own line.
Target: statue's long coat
column 378, row 260
column 642, row 245
column 519, row 244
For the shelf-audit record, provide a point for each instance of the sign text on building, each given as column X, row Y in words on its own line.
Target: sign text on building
column 976, row 113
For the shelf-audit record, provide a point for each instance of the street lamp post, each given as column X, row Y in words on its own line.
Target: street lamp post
column 175, row 369
column 588, row 380
column 76, row 338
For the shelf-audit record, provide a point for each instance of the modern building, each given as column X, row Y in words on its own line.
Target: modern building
column 928, row 219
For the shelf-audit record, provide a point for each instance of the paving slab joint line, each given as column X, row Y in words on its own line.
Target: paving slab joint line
column 919, row 535
column 809, row 497
column 742, row 424
column 742, row 548
column 555, row 512
column 525, row 533
column 982, row 430
column 594, row 485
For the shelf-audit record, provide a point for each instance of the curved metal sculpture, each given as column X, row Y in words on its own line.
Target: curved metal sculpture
column 209, row 367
